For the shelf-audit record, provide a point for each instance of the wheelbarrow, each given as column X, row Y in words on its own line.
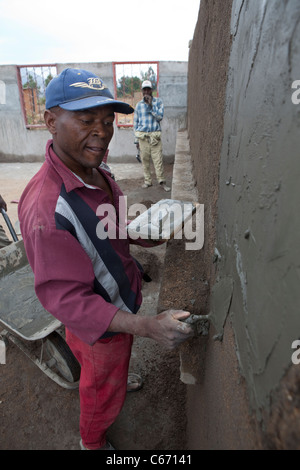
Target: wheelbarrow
column 26, row 323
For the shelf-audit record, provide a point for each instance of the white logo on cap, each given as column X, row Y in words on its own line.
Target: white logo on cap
column 94, row 83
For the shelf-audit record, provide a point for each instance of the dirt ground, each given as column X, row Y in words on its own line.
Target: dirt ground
column 38, row 414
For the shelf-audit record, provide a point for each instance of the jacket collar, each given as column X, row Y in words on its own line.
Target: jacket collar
column 70, row 180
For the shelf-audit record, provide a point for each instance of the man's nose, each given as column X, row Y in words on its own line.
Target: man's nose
column 100, row 130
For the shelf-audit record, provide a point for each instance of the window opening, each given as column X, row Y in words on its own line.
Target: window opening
column 128, row 78
column 33, row 80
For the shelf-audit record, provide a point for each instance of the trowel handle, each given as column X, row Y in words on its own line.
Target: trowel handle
column 9, row 225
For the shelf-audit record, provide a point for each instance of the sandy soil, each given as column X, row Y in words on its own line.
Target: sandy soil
column 38, row 414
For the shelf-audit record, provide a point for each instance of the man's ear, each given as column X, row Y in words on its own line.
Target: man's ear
column 50, row 121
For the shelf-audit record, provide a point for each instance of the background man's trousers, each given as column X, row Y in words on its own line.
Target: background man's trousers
column 150, row 150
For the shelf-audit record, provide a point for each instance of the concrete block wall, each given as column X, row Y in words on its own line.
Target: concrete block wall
column 20, row 144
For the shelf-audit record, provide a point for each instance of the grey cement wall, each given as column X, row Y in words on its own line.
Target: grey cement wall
column 248, row 396
column 258, row 226
column 20, row 144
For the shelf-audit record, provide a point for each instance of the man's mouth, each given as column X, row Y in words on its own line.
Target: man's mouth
column 96, row 149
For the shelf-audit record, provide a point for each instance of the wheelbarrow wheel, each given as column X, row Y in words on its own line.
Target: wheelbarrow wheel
column 62, row 357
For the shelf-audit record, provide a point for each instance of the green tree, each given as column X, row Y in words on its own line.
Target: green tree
column 31, row 83
column 48, row 79
column 128, row 85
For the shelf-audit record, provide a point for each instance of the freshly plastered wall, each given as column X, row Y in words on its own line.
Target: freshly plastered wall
column 258, row 226
column 244, row 140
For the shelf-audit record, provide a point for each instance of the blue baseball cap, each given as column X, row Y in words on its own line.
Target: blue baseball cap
column 78, row 89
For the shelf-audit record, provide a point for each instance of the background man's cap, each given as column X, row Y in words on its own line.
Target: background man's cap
column 146, row 84
column 77, row 89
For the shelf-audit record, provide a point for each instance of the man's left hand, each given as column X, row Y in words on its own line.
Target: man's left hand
column 3, row 204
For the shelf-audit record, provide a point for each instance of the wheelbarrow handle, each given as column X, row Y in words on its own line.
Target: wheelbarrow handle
column 9, row 225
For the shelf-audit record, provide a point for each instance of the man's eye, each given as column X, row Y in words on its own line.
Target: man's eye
column 109, row 123
column 85, row 121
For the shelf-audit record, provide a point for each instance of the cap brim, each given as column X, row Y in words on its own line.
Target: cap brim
column 96, row 101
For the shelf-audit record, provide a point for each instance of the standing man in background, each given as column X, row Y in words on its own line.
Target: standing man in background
column 147, row 117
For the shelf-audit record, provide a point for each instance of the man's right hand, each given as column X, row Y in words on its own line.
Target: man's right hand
column 148, row 99
column 165, row 328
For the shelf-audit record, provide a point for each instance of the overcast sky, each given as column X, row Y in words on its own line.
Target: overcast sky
column 62, row 31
